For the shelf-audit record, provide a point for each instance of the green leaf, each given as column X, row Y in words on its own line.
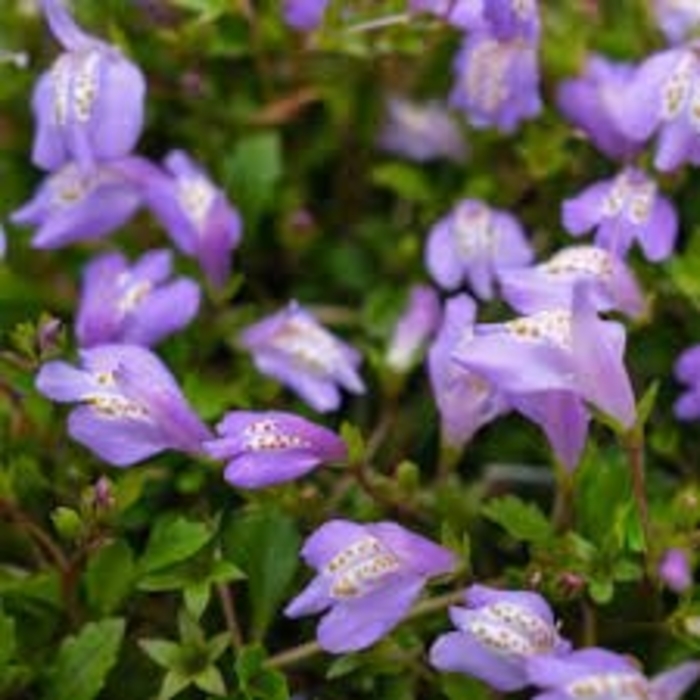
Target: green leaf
column 8, row 642
column 458, row 687
column 253, row 171
column 352, row 437
column 83, row 662
column 256, row 681
column 407, row 182
column 523, row 521
column 601, row 591
column 173, row 683
column 162, row 651
column 265, row 545
column 197, row 598
column 67, row 522
column 211, row 681
column 646, row 404
column 173, row 541
column 109, row 577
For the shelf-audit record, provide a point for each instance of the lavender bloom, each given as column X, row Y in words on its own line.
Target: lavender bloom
column 587, row 102
column 623, row 209
column 195, row 213
column 551, row 284
column 89, row 106
column 548, row 363
column 421, row 132
column 663, row 99
column 497, row 81
column 675, row 570
column 369, row 576
column 134, row 305
column 463, row 14
column 497, row 634
column 677, row 18
column 72, row 205
column 598, row 674
column 465, row 401
column 304, row 15
column 476, row 243
column 687, row 371
column 414, row 329
column 513, row 19
column 271, row 447
column 129, row 405
column 295, row 349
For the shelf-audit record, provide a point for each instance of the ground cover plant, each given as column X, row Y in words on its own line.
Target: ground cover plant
column 349, row 349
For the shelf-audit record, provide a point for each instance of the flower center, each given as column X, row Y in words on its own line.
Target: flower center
column 311, row 347
column 676, row 90
column 539, row 634
column 196, row 197
column 485, row 79
column 594, row 262
column 264, row 435
column 621, row 686
column 116, row 406
column 552, row 327
column 75, row 81
column 359, row 567
column 133, row 292
column 472, row 230
column 632, row 196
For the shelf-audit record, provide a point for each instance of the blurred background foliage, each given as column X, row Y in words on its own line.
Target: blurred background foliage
column 129, row 596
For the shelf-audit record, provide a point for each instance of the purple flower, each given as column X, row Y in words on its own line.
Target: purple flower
column 475, row 242
column 304, row 15
column 598, row 674
column 74, row 205
column 675, row 570
column 497, row 81
column 587, row 103
column 421, row 132
column 687, row 371
column 465, row 401
column 137, row 304
column 464, row 14
column 622, row 210
column 663, row 98
column 551, row 284
column 548, row 363
column 129, row 405
column 513, row 19
column 195, row 213
column 497, row 634
column 270, row 447
column 369, row 576
column 89, row 106
column 414, row 329
column 677, row 18
column 295, row 349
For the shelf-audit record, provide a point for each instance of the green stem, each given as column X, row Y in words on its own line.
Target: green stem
column 634, row 447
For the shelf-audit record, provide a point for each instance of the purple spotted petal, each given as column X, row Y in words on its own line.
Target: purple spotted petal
column 267, row 448
column 130, row 406
column 133, row 305
column 72, row 206
column 496, row 82
column 292, row 347
column 89, row 107
column 369, row 576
